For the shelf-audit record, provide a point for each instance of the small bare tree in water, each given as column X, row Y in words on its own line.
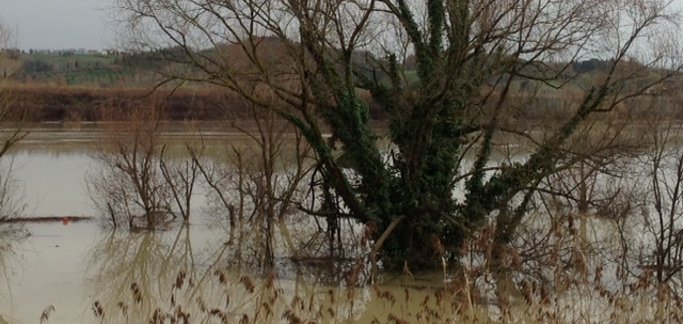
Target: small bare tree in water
column 658, row 249
column 180, row 175
column 141, row 182
column 259, row 182
column 130, row 188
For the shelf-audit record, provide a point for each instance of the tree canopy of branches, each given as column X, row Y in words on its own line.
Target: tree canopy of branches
column 444, row 72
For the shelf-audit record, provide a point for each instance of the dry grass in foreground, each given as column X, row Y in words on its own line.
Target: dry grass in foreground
column 222, row 297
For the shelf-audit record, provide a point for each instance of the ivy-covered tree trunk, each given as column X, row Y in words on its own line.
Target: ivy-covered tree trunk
column 416, row 185
column 426, row 166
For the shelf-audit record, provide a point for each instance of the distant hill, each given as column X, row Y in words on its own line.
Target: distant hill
column 67, row 84
column 119, row 69
column 92, row 69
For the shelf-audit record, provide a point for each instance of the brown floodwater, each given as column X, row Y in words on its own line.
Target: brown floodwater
column 81, row 272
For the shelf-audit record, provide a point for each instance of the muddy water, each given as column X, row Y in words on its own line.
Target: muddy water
column 54, row 266
column 79, row 272
column 53, row 184
column 86, row 275
column 46, row 269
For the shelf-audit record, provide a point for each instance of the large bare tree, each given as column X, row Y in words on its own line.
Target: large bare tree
column 446, row 74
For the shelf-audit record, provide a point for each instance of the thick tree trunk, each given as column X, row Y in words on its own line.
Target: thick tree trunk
column 421, row 243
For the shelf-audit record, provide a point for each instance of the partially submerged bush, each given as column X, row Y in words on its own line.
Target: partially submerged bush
column 135, row 185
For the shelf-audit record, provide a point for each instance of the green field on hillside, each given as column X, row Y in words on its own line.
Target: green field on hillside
column 79, row 69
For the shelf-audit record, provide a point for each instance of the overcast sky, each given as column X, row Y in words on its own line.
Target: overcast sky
column 62, row 24
column 59, row 24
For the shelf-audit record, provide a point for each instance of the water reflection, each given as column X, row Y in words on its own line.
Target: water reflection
column 10, row 234
column 8, row 238
column 53, row 184
column 135, row 271
column 190, row 274
column 204, row 273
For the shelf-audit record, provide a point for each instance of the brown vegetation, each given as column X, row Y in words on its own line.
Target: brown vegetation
column 63, row 103
column 49, row 103
column 63, row 219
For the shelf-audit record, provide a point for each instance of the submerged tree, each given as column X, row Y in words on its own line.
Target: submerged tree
column 447, row 75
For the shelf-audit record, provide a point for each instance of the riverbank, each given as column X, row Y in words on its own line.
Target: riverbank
column 61, row 103
column 40, row 103
column 51, row 219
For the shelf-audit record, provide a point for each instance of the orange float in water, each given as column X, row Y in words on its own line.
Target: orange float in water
column 65, row 220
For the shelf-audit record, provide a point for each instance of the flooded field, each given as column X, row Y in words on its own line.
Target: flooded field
column 85, row 272
column 213, row 269
column 52, row 263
